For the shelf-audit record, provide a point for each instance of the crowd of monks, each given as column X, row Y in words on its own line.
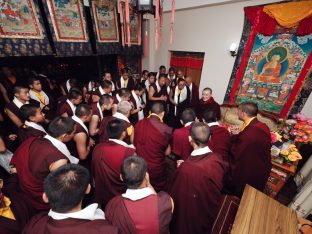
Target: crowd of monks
column 122, row 155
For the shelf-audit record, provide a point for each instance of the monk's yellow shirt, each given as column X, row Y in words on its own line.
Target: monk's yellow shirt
column 247, row 122
column 6, row 211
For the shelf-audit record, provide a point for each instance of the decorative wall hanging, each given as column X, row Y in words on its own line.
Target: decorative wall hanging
column 273, row 66
column 19, row 20
column 68, row 21
column 273, row 70
column 68, row 26
column 134, row 27
column 106, row 24
column 106, row 28
column 21, row 30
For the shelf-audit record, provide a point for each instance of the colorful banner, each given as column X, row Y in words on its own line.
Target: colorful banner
column 68, row 20
column 21, row 29
column 19, row 20
column 67, row 23
column 135, row 27
column 106, row 25
column 273, row 69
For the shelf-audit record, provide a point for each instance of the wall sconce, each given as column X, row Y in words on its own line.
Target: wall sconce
column 233, row 48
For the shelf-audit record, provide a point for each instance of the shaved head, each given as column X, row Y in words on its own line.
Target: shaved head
column 157, row 108
column 200, row 133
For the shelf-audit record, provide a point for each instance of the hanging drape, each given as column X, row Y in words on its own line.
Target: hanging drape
column 190, row 65
column 289, row 14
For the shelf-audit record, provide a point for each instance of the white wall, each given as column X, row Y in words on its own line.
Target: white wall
column 209, row 29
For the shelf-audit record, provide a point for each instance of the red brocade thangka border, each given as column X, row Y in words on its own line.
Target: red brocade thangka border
column 20, row 20
column 68, row 21
column 245, row 57
column 268, row 89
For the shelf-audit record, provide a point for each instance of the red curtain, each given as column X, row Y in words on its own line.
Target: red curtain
column 190, row 66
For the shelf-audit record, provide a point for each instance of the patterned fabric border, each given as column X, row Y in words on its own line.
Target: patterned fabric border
column 22, row 20
column 67, row 23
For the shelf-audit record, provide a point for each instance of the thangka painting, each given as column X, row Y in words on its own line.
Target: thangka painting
column 19, row 19
column 68, row 20
column 105, row 24
column 273, row 68
column 135, row 27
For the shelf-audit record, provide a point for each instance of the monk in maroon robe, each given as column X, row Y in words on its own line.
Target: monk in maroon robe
column 158, row 92
column 67, row 108
column 137, row 112
column 106, row 162
column 104, row 88
column 151, row 139
column 194, row 91
column 128, row 211
column 207, row 103
column 179, row 100
column 181, row 146
column 32, row 127
column 250, row 152
column 100, row 110
column 123, row 112
column 81, row 144
column 37, row 157
column 64, row 189
column 20, row 209
column 196, row 186
column 122, row 94
column 125, row 80
column 12, row 109
column 220, row 139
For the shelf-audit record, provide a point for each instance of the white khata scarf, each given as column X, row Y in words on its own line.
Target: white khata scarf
column 183, row 95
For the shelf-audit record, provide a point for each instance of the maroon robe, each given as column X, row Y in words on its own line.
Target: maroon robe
column 134, row 118
column 211, row 104
column 64, row 107
column 102, row 130
column 174, row 118
column 195, row 188
column 162, row 92
column 17, row 112
column 181, row 146
column 106, row 163
column 130, row 84
column 220, row 141
column 250, row 158
column 32, row 160
column 21, row 209
column 26, row 132
column 96, row 111
column 97, row 93
column 194, row 95
column 131, row 216
column 151, row 138
column 72, row 145
column 42, row 223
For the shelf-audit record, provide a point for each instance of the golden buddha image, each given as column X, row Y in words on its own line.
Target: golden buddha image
column 273, row 68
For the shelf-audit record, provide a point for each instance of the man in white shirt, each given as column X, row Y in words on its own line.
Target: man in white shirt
column 64, row 190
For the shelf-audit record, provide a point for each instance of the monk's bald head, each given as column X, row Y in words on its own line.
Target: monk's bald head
column 250, row 108
column 200, row 133
column 133, row 171
column 157, row 108
column 66, row 187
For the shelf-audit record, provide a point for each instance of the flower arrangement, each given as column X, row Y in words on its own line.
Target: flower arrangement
column 302, row 129
column 275, row 137
column 291, row 154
